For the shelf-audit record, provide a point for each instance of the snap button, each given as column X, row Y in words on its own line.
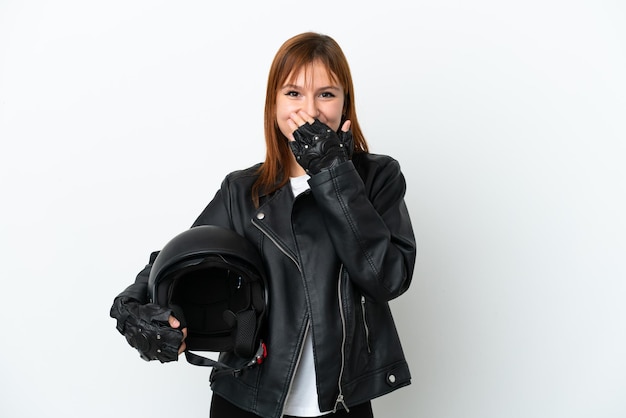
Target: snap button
column 392, row 378
column 260, row 215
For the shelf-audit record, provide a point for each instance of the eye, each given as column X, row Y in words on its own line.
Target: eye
column 292, row 93
column 327, row 95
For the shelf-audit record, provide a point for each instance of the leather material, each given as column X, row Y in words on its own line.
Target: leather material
column 146, row 328
column 334, row 256
column 317, row 147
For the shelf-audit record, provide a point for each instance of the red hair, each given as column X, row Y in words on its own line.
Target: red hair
column 296, row 54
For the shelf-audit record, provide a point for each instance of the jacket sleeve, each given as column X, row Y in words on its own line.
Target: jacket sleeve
column 216, row 212
column 369, row 224
column 139, row 289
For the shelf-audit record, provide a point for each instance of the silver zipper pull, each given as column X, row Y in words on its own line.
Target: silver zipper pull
column 340, row 401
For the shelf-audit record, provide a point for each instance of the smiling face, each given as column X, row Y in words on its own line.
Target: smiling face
column 314, row 91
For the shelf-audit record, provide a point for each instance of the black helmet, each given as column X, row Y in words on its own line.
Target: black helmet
column 215, row 277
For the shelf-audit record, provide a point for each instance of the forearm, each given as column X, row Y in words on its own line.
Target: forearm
column 139, row 289
column 372, row 233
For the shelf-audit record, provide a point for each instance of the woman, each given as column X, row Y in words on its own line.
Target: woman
column 330, row 222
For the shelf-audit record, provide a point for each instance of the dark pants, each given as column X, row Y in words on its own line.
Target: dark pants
column 221, row 408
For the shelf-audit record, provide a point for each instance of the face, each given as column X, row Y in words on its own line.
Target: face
column 312, row 95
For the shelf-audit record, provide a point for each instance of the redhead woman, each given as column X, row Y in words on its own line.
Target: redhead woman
column 330, row 223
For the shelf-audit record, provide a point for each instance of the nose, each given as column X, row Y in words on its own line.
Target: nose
column 310, row 107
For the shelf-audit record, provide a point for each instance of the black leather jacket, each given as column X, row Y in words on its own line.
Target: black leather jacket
column 334, row 257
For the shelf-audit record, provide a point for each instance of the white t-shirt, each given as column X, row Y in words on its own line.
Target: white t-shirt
column 302, row 397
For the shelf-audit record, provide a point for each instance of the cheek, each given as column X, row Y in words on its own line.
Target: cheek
column 282, row 114
column 333, row 114
column 283, row 109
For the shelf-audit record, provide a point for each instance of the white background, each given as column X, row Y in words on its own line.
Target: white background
column 119, row 119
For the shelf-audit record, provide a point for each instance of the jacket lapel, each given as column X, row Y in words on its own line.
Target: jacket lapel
column 273, row 218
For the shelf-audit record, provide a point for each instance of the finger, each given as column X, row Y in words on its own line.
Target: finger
column 346, row 126
column 174, row 323
column 183, row 346
column 306, row 117
column 298, row 118
column 293, row 127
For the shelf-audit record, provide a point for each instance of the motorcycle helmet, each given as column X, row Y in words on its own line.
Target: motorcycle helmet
column 212, row 278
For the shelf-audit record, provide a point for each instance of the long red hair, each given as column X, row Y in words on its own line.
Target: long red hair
column 295, row 54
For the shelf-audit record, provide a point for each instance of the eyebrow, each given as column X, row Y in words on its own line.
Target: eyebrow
column 294, row 86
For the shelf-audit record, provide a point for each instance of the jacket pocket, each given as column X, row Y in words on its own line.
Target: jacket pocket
column 357, row 326
column 366, row 327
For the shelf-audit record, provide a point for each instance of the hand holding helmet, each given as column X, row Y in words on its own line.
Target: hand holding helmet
column 209, row 281
column 150, row 329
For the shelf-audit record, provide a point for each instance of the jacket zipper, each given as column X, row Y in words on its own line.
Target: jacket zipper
column 340, row 399
column 280, row 247
column 367, row 329
column 308, row 325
